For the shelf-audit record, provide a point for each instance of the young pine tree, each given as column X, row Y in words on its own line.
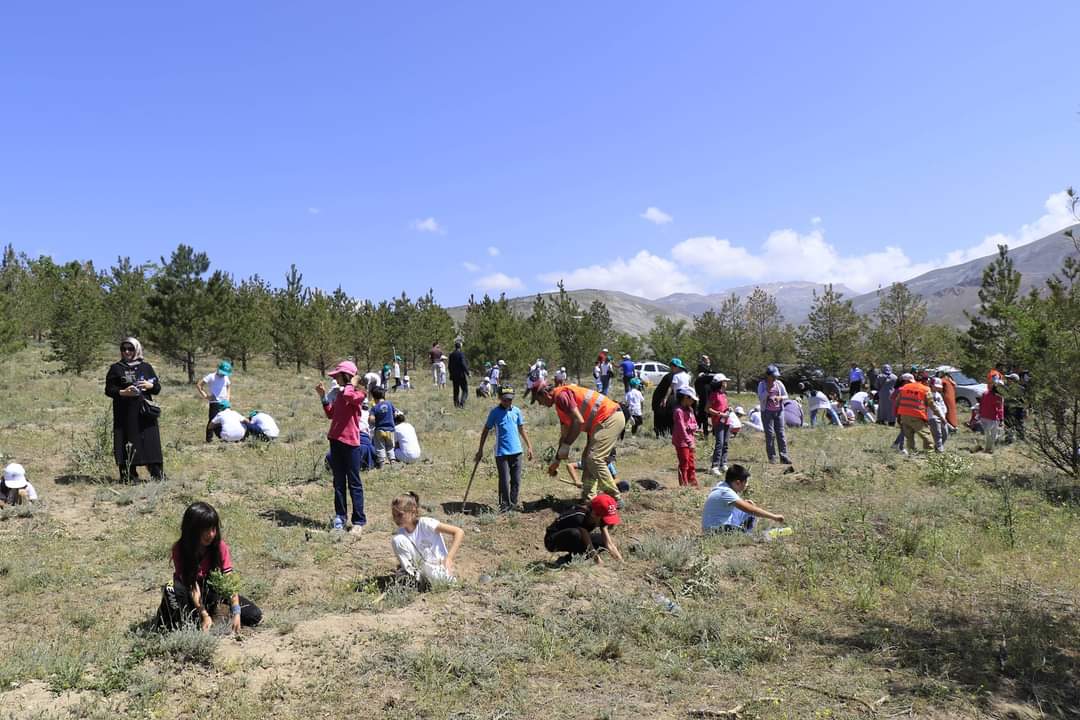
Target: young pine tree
column 79, row 322
column 179, row 308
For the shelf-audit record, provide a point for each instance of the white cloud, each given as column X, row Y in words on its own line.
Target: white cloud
column 493, row 251
column 1058, row 216
column 430, row 225
column 718, row 258
column 645, row 274
column 816, row 220
column 656, row 215
column 788, row 255
column 499, row 282
column 471, row 267
column 314, row 210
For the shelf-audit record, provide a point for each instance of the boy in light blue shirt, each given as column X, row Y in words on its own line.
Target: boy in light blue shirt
column 509, row 426
column 726, row 511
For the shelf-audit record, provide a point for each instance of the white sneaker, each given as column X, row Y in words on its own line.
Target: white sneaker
column 716, row 471
column 356, row 530
column 723, row 468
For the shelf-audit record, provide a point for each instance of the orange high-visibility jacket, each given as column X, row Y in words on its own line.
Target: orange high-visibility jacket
column 912, row 400
column 595, row 407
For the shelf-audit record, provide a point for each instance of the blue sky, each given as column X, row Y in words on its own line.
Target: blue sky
column 484, row 146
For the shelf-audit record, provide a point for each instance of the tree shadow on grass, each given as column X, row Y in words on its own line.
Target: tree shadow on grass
column 1054, row 488
column 1017, row 646
column 548, row 502
column 469, row 508
column 284, row 518
column 76, row 479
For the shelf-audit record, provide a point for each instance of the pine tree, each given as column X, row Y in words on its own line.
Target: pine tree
column 992, row 336
column 495, row 332
column 541, row 328
column 179, row 307
column 290, row 330
column 79, row 324
column 12, row 329
column 430, row 322
column 40, row 294
column 246, row 330
column 327, row 322
column 769, row 340
column 901, row 326
column 669, row 339
column 575, row 349
column 127, row 288
column 831, row 334
column 734, row 339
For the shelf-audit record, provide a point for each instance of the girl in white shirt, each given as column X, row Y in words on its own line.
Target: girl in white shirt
column 418, row 543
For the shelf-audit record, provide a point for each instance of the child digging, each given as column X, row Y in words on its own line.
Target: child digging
column 418, row 543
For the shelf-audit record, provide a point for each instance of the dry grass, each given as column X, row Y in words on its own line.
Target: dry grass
column 901, row 593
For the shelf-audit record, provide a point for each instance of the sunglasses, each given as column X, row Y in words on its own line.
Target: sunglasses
column 127, row 348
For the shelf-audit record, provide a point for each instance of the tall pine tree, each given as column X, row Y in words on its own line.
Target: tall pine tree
column 832, row 331
column 993, row 335
column 179, row 308
column 79, row 323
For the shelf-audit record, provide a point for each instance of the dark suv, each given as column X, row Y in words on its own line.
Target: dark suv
column 811, row 378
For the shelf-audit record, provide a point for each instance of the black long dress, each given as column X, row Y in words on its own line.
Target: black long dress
column 129, row 424
column 702, row 386
column 662, row 414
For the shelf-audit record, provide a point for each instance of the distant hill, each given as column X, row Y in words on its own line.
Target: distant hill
column 629, row 313
column 792, row 298
column 950, row 291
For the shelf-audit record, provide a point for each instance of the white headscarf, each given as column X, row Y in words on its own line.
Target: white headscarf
column 138, row 356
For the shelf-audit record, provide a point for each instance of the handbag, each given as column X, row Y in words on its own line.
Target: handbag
column 149, row 409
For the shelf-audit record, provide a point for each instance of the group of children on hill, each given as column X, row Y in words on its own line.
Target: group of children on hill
column 224, row 422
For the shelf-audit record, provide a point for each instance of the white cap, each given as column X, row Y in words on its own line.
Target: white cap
column 720, row 376
column 15, row 476
column 688, row 391
column 501, row 362
column 739, row 410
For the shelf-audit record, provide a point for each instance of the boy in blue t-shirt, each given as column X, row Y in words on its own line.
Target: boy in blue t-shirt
column 381, row 420
column 725, row 510
column 509, row 428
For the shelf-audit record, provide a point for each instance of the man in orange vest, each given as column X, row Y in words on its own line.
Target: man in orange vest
column 914, row 405
column 581, row 410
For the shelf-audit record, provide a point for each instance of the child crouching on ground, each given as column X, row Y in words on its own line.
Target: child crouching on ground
column 725, row 510
column 14, row 488
column 683, row 435
column 418, row 543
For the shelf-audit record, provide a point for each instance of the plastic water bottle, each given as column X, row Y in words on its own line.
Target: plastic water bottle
column 666, row 603
column 775, row 533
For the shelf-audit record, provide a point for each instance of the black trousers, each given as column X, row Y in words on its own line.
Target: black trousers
column 856, row 386
column 461, row 390
column 570, row 541
column 177, row 608
column 509, row 467
column 214, row 409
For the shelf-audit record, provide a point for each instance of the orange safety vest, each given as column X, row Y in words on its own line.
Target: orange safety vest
column 911, row 400
column 595, row 407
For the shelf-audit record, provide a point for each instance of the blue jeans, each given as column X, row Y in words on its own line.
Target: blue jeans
column 719, row 453
column 829, row 412
column 773, row 420
column 345, row 461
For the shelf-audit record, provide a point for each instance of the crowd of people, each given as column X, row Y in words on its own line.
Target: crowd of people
column 367, row 431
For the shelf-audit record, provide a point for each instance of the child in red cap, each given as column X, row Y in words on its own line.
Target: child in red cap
column 584, row 531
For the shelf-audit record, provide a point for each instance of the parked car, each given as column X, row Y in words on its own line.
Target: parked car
column 651, row 371
column 968, row 389
column 811, row 378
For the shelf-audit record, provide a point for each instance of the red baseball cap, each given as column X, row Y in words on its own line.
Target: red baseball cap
column 606, row 508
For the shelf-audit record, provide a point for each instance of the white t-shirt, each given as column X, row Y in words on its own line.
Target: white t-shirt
column 372, row 378
column 754, row 420
column 858, row 401
column 10, row 496
column 217, row 386
column 495, row 375
column 265, row 424
column 428, row 541
column 408, row 446
column 231, row 424
column 397, row 371
column 733, row 421
column 679, row 380
column 634, row 399
column 818, row 401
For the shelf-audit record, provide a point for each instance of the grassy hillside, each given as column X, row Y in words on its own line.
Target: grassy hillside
column 929, row 588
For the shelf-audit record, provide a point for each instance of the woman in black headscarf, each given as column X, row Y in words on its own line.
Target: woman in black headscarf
column 136, row 440
column 663, row 398
column 701, row 387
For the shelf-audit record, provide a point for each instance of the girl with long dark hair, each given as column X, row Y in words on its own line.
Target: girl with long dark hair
column 199, row 551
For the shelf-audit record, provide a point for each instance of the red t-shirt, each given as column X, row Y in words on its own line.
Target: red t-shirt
column 204, row 566
column 718, row 402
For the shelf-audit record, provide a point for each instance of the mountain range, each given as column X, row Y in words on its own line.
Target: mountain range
column 948, row 291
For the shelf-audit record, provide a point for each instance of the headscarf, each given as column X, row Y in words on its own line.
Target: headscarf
column 138, row 356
